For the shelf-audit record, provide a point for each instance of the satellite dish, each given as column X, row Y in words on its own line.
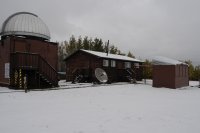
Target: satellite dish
column 101, row 75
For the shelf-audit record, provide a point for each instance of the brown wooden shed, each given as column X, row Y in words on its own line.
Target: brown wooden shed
column 27, row 58
column 169, row 73
column 118, row 68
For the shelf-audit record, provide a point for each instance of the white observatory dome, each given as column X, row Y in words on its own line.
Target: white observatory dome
column 25, row 24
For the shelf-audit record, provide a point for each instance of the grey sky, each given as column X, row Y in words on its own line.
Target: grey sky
column 145, row 27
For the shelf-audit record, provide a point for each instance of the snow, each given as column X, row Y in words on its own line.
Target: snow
column 159, row 60
column 115, row 108
column 111, row 56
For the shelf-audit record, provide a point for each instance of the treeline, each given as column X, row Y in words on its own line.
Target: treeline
column 147, row 69
column 66, row 48
column 194, row 71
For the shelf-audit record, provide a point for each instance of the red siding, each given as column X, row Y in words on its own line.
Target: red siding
column 182, row 78
column 4, row 58
column 47, row 50
column 83, row 60
column 80, row 60
column 170, row 76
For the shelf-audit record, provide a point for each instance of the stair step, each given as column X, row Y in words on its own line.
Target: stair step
column 39, row 65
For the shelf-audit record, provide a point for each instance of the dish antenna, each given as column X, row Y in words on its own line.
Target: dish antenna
column 101, row 75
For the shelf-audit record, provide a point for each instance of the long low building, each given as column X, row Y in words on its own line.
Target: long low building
column 118, row 68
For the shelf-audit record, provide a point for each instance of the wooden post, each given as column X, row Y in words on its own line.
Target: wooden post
column 39, row 80
column 20, row 78
column 145, row 80
column 25, row 83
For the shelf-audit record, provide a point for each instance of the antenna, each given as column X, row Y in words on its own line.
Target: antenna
column 107, row 47
column 101, row 75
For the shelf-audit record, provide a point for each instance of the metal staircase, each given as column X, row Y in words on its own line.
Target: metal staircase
column 130, row 75
column 35, row 68
column 81, row 75
column 77, row 79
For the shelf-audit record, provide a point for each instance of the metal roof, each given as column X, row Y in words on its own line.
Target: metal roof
column 25, row 23
column 105, row 56
column 111, row 56
column 160, row 60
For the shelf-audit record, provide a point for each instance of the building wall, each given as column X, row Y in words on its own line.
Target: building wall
column 170, row 76
column 48, row 50
column 4, row 58
column 82, row 60
column 117, row 74
column 182, row 76
column 164, row 76
column 120, row 65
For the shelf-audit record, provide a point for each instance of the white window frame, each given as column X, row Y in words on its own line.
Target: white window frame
column 113, row 63
column 127, row 64
column 105, row 63
column 137, row 65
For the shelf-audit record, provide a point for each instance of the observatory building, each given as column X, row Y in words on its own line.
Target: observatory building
column 27, row 58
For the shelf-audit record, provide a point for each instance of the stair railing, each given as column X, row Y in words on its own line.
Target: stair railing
column 34, row 61
column 48, row 71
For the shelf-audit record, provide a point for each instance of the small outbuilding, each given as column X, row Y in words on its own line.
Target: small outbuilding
column 169, row 73
column 82, row 64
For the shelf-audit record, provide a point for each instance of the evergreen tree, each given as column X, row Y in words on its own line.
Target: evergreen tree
column 120, row 53
column 113, row 49
column 79, row 43
column 130, row 55
column 91, row 44
column 98, row 45
column 71, row 46
column 147, row 69
column 196, row 75
column 191, row 69
column 61, row 56
column 86, row 44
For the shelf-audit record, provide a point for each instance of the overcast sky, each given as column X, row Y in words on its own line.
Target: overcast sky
column 147, row 28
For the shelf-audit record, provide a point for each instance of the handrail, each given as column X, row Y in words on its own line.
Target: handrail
column 46, row 69
column 24, row 53
column 47, row 63
column 35, row 61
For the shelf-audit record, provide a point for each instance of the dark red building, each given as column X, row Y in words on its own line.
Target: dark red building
column 27, row 58
column 118, row 68
column 169, row 73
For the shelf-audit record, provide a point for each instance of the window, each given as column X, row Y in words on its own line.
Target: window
column 113, row 63
column 127, row 65
column 137, row 65
column 105, row 63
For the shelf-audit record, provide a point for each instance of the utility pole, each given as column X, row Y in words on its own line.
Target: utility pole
column 107, row 47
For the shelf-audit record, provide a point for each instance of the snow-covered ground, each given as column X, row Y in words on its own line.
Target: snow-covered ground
column 115, row 108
